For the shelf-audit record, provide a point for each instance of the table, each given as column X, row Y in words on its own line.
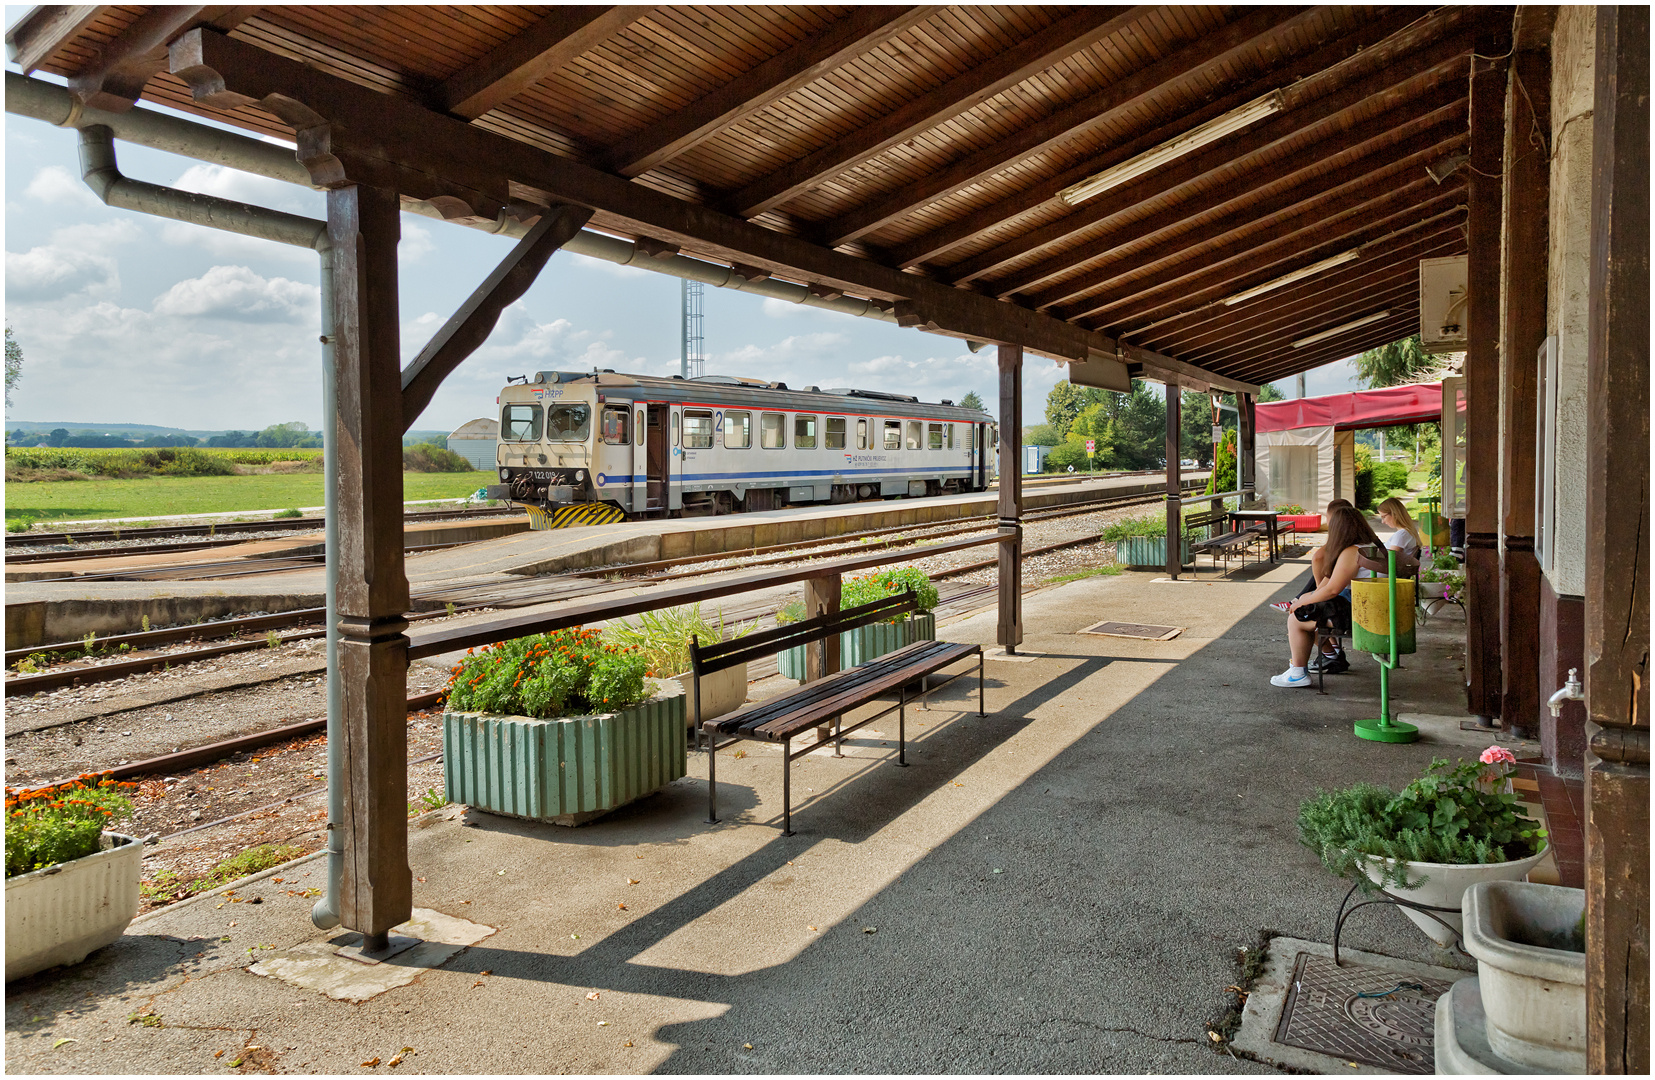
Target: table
column 1268, row 517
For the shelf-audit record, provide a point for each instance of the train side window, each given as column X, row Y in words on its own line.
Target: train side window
column 675, row 429
column 971, row 436
column 834, row 436
column 914, row 436
column 804, row 431
column 934, row 436
column 893, row 434
column 520, row 423
column 638, row 430
column 772, row 430
column 615, row 419
column 698, row 429
column 738, row 430
column 862, row 433
column 950, row 436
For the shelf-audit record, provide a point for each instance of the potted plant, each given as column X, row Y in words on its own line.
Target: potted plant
column 1142, row 541
column 865, row 643
column 71, row 885
column 663, row 639
column 1294, row 514
column 1433, row 581
column 1428, row 843
column 559, row 727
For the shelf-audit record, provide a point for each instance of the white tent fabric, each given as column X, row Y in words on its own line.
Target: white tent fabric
column 1297, row 467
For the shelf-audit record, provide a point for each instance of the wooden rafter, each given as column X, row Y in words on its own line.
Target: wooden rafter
column 1082, row 116
column 1371, row 336
column 981, row 82
column 864, row 29
column 1238, row 206
column 1432, row 75
column 530, row 56
column 1007, row 208
column 38, row 36
column 1243, row 346
column 126, row 63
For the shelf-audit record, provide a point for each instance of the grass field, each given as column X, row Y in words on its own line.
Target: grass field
column 165, row 495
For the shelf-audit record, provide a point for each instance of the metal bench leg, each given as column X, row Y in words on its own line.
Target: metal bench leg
column 981, row 711
column 838, row 735
column 902, row 728
column 712, row 781
column 787, row 787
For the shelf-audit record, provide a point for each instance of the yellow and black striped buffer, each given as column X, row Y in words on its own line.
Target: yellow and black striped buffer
column 564, row 517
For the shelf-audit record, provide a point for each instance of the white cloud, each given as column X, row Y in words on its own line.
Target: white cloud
column 586, row 262
column 224, row 245
column 55, row 271
column 100, row 237
column 56, row 186
column 782, row 309
column 237, row 293
column 246, row 187
column 416, row 243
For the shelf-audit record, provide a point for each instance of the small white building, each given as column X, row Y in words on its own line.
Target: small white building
column 476, row 441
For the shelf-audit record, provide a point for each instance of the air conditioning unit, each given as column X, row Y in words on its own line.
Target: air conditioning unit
column 1442, row 296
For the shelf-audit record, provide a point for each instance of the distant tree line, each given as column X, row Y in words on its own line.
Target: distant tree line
column 293, row 435
column 1128, row 431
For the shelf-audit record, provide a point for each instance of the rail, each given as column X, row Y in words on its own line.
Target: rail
column 1193, row 499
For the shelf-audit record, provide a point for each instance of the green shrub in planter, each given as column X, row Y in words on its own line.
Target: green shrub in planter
column 854, row 592
column 867, row 642
column 567, row 673
column 59, row 824
column 663, row 637
column 1449, row 815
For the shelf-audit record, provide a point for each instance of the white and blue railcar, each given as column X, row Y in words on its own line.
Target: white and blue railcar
column 586, row 448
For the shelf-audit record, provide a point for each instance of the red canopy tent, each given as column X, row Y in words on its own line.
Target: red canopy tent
column 1390, row 406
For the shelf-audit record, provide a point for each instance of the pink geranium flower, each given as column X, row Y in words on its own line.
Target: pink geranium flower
column 1498, row 755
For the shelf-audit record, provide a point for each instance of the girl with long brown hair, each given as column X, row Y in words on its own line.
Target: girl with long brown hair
column 1329, row 602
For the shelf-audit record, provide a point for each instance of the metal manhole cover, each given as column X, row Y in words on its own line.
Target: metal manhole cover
column 1134, row 630
column 1325, row 1013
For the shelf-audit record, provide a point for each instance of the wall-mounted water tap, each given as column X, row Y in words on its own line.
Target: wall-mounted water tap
column 1570, row 691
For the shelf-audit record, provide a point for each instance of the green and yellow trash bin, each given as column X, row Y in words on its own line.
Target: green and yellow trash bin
column 1382, row 623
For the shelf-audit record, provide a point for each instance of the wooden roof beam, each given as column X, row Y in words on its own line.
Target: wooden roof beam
column 1236, row 350
column 47, row 28
column 1357, row 341
column 1063, row 38
column 1217, row 312
column 1260, row 257
column 946, row 237
column 1248, row 269
column 550, row 44
column 125, row 64
column 1435, row 73
column 1158, row 367
column 864, row 29
column 350, row 134
column 1089, row 112
column 1443, row 129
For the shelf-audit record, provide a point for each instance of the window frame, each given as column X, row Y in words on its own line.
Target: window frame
column 625, row 413
column 698, row 414
column 933, row 435
column 781, row 430
column 546, row 427
column 893, row 435
column 747, row 428
column 915, row 435
column 861, row 432
column 804, row 420
column 828, row 433
column 538, row 419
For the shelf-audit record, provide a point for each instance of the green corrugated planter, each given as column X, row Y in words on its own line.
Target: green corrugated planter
column 567, row 770
column 858, row 646
column 1149, row 552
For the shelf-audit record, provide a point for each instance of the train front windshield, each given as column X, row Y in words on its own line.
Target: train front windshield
column 568, row 423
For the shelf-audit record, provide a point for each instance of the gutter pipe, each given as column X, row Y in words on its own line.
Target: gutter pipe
column 101, row 172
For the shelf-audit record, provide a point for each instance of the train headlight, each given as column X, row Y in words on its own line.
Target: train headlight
column 505, row 474
column 580, row 476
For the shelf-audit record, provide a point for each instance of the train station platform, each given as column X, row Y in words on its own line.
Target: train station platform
column 39, row 612
column 1058, row 887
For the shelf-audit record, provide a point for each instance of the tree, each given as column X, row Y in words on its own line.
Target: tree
column 1067, row 454
column 1040, row 435
column 1268, row 392
column 1063, row 404
column 972, row 401
column 14, row 363
column 1394, row 364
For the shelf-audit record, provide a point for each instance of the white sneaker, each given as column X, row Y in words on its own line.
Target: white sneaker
column 1287, row 678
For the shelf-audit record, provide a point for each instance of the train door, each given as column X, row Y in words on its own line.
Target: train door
column 979, row 456
column 638, row 470
column 675, row 459
column 655, row 458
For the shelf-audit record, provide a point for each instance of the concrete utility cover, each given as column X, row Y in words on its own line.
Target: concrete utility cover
column 1134, row 630
column 320, row 965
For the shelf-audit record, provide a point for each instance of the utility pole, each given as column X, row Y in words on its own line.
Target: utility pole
column 1301, row 383
column 691, row 363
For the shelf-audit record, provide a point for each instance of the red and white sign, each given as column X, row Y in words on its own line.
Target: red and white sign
column 1091, row 445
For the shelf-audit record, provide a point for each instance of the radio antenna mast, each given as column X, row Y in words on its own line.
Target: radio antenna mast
column 693, row 362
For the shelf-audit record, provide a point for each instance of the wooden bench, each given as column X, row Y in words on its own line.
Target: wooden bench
column 1227, row 544
column 783, row 718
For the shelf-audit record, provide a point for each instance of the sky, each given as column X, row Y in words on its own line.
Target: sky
column 125, row 318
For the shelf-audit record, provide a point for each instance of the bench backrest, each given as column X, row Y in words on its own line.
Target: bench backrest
column 706, row 659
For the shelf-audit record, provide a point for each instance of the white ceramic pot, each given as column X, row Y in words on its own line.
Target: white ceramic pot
column 721, row 692
column 1444, row 887
column 1431, row 590
column 1533, row 983
column 60, row 914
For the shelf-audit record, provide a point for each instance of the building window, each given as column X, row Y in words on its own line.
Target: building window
column 835, row 433
column 862, row 433
column 738, row 430
column 893, row 434
column 772, row 430
column 804, row 432
column 615, row 419
column 915, row 435
column 698, row 429
column 520, row 423
column 934, row 436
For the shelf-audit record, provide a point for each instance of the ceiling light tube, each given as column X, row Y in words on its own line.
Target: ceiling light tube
column 1296, row 275
column 1172, row 149
column 1337, row 330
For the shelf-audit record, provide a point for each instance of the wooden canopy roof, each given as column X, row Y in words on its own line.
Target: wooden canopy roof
column 912, row 155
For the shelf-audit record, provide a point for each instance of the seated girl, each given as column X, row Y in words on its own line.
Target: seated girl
column 1329, row 602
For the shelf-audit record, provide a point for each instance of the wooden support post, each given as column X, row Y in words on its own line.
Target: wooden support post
column 1523, row 332
column 1247, row 444
column 1482, row 381
column 1617, row 553
column 1010, row 631
column 1175, row 485
column 822, row 658
column 376, row 892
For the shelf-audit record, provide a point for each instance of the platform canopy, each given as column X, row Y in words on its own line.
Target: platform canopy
column 1215, row 195
column 1390, row 406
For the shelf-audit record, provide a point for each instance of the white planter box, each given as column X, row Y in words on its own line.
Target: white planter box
column 1431, row 590
column 1533, row 986
column 60, row 914
column 721, row 692
column 1444, row 887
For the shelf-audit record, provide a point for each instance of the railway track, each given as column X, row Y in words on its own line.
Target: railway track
column 298, row 524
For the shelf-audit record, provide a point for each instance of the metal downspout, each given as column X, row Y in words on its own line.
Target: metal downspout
column 102, row 174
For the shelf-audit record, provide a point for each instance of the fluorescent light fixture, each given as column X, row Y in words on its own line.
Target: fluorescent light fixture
column 1337, row 330
column 1172, row 149
column 1296, row 275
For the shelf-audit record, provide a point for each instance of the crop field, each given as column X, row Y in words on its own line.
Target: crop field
column 54, row 463
column 161, row 496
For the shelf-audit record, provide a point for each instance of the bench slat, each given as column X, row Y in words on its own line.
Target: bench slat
column 862, row 692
